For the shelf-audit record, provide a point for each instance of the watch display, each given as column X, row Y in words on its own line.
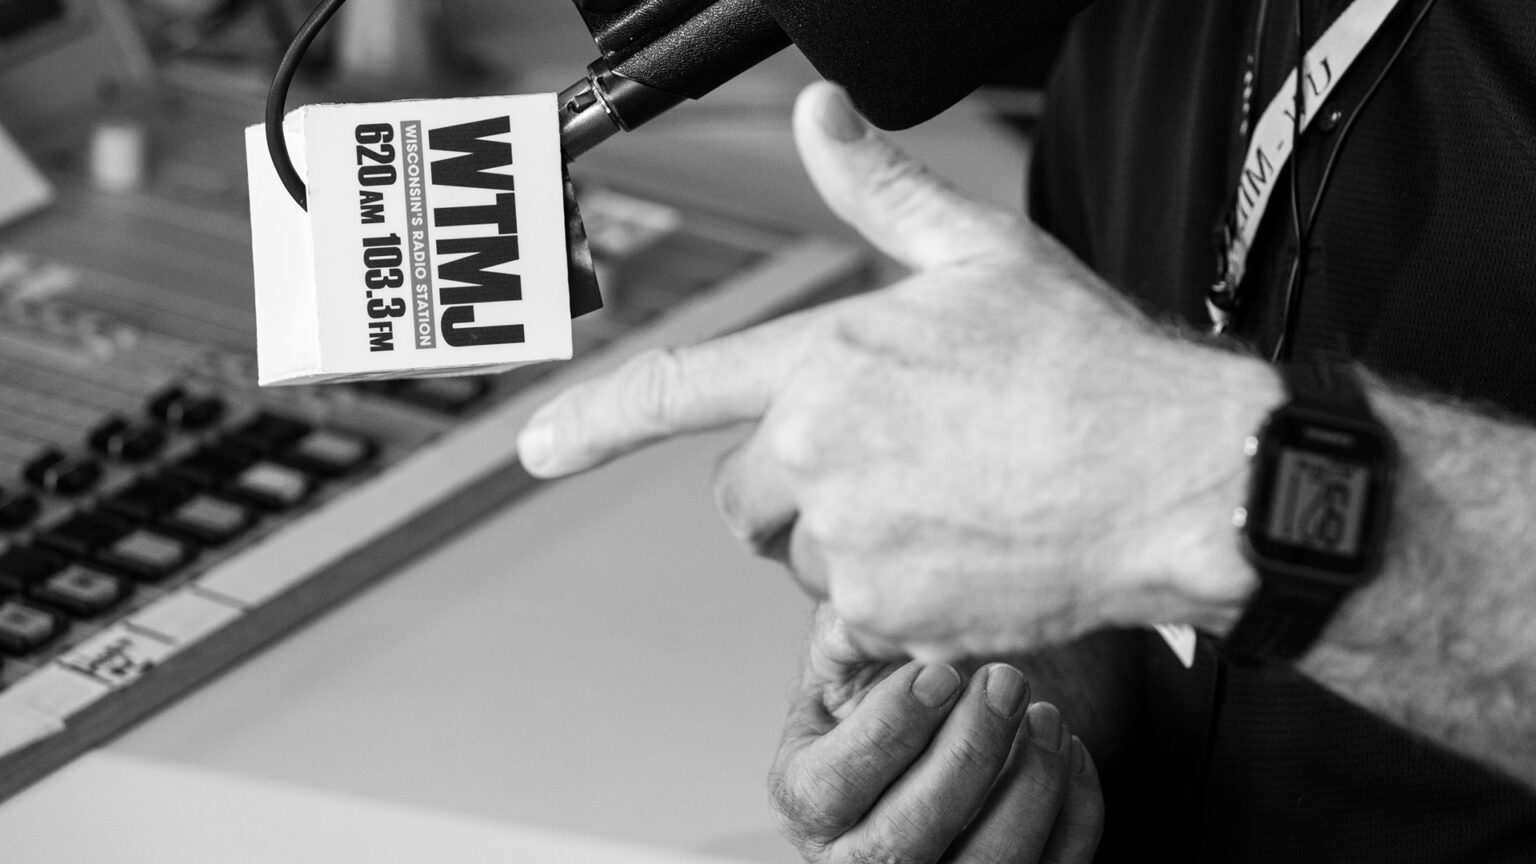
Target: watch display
column 1318, row 502
column 1314, row 500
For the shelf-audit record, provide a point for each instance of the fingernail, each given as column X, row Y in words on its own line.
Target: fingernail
column 1006, row 689
column 935, row 684
column 1044, row 724
column 534, row 444
column 839, row 120
column 1079, row 761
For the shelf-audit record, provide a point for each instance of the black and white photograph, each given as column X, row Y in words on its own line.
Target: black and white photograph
column 767, row 431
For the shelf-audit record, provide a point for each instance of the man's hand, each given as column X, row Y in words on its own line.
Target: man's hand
column 994, row 453
column 891, row 762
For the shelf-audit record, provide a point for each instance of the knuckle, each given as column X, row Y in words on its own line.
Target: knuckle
column 653, row 377
column 823, row 518
column 803, row 807
column 886, row 740
column 583, row 425
column 901, row 837
column 973, row 759
column 727, row 491
column 901, row 186
column 784, row 800
column 852, row 507
column 878, row 853
column 1044, row 790
column 1002, row 223
column 791, row 441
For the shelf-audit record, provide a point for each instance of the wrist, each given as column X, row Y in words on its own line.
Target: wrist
column 1191, row 569
column 1317, row 511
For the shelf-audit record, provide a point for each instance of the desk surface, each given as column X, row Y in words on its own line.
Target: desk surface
column 601, row 658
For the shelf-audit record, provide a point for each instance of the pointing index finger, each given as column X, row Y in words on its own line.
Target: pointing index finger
column 659, row 394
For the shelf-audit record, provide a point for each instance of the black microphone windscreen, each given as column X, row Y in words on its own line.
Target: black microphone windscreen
column 904, row 61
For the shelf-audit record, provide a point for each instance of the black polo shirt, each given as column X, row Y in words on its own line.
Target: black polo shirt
column 1421, row 264
column 1421, row 261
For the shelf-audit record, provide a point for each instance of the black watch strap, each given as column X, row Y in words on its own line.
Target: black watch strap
column 1326, row 383
column 1280, row 623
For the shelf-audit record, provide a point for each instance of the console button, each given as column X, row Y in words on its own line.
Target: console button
column 24, row 627
column 208, row 520
column 123, row 440
column 176, row 407
column 271, row 486
column 81, row 591
column 331, row 453
column 268, row 432
column 146, row 555
column 62, row 473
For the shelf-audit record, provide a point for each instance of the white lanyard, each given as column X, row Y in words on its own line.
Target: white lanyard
column 1269, row 148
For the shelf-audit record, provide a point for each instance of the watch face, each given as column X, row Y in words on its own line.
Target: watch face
column 1314, row 502
column 1317, row 502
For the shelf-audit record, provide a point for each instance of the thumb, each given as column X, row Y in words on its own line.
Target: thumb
column 840, row 667
column 894, row 201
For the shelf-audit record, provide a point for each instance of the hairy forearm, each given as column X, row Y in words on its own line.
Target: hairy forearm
column 1444, row 640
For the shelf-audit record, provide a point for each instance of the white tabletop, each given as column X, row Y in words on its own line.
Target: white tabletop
column 600, row 659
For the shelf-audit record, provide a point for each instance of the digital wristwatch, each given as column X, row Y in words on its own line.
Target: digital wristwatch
column 1316, row 515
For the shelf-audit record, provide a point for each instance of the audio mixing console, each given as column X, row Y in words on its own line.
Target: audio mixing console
column 161, row 516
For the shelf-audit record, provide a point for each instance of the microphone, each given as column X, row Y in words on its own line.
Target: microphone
column 902, row 61
column 655, row 54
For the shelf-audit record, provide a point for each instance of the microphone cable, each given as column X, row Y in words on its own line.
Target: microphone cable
column 1304, row 230
column 277, row 97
